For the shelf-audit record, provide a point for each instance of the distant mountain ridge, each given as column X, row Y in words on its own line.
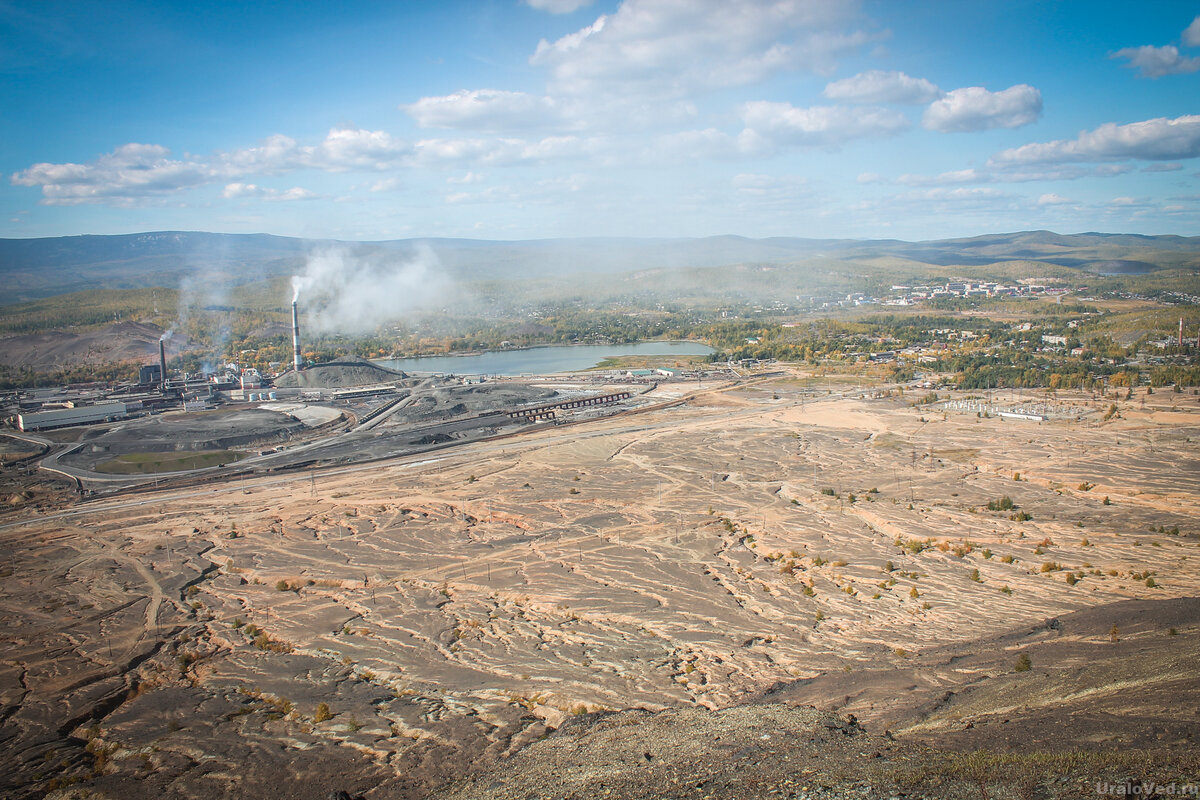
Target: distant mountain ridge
column 34, row 268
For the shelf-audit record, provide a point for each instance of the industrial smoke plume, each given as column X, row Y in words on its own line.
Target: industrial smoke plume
column 346, row 292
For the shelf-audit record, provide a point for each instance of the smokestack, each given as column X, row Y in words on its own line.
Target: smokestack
column 162, row 362
column 1181, row 331
column 295, row 338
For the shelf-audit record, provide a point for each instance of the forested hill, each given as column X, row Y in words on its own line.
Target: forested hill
column 33, row 268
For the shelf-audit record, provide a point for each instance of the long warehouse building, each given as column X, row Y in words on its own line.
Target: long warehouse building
column 62, row 417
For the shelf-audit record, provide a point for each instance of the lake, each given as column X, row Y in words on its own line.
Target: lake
column 542, row 360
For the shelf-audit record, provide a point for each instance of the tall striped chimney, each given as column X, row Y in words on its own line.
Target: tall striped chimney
column 162, row 362
column 296, row 362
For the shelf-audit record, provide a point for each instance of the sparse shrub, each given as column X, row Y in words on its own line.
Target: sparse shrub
column 1006, row 590
column 819, row 616
column 1071, row 579
column 1006, row 559
column 1024, row 664
column 573, row 491
column 237, row 623
column 1005, row 503
column 900, row 651
column 1016, row 476
column 1172, row 632
column 913, row 593
column 282, row 585
column 1150, row 584
column 809, row 592
column 1114, row 634
column 1084, row 542
column 1050, row 566
column 1021, row 516
column 975, row 576
column 987, row 553
column 925, row 606
column 1106, row 501
column 323, row 713
column 829, row 492
column 471, row 479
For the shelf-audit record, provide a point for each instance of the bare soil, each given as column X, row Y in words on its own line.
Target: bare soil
column 703, row 569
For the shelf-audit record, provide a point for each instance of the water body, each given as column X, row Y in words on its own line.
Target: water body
column 543, row 360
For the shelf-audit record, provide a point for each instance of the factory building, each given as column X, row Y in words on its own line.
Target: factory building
column 149, row 374
column 79, row 415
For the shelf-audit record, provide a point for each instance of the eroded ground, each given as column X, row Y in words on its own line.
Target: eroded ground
column 447, row 611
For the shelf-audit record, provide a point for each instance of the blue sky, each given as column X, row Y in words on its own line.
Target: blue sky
column 516, row 119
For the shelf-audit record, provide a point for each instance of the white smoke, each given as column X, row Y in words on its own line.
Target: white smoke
column 167, row 334
column 345, row 292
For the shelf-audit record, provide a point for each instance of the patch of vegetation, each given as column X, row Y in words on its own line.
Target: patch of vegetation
column 174, row 461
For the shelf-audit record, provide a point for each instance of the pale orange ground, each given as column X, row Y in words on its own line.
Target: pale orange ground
column 685, row 555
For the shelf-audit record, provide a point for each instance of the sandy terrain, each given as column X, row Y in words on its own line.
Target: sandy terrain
column 452, row 608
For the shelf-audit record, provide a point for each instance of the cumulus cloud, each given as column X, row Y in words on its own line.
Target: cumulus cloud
column 1052, row 199
column 1155, row 62
column 974, row 108
column 1191, row 35
column 1159, row 139
column 878, row 86
column 817, row 126
column 558, row 6
column 342, row 150
column 235, row 191
column 674, row 47
column 485, row 110
column 128, row 174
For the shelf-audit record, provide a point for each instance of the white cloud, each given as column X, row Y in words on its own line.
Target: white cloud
column 817, row 126
column 485, row 110
column 976, row 193
column 558, row 6
column 1158, row 139
column 235, row 191
column 693, row 145
column 342, row 150
column 1166, row 167
column 870, row 177
column 976, row 109
column 130, row 173
column 1155, row 62
column 675, row 47
column 877, row 86
column 944, row 179
column 1191, row 35
column 355, row 149
column 1051, row 199
column 386, row 185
